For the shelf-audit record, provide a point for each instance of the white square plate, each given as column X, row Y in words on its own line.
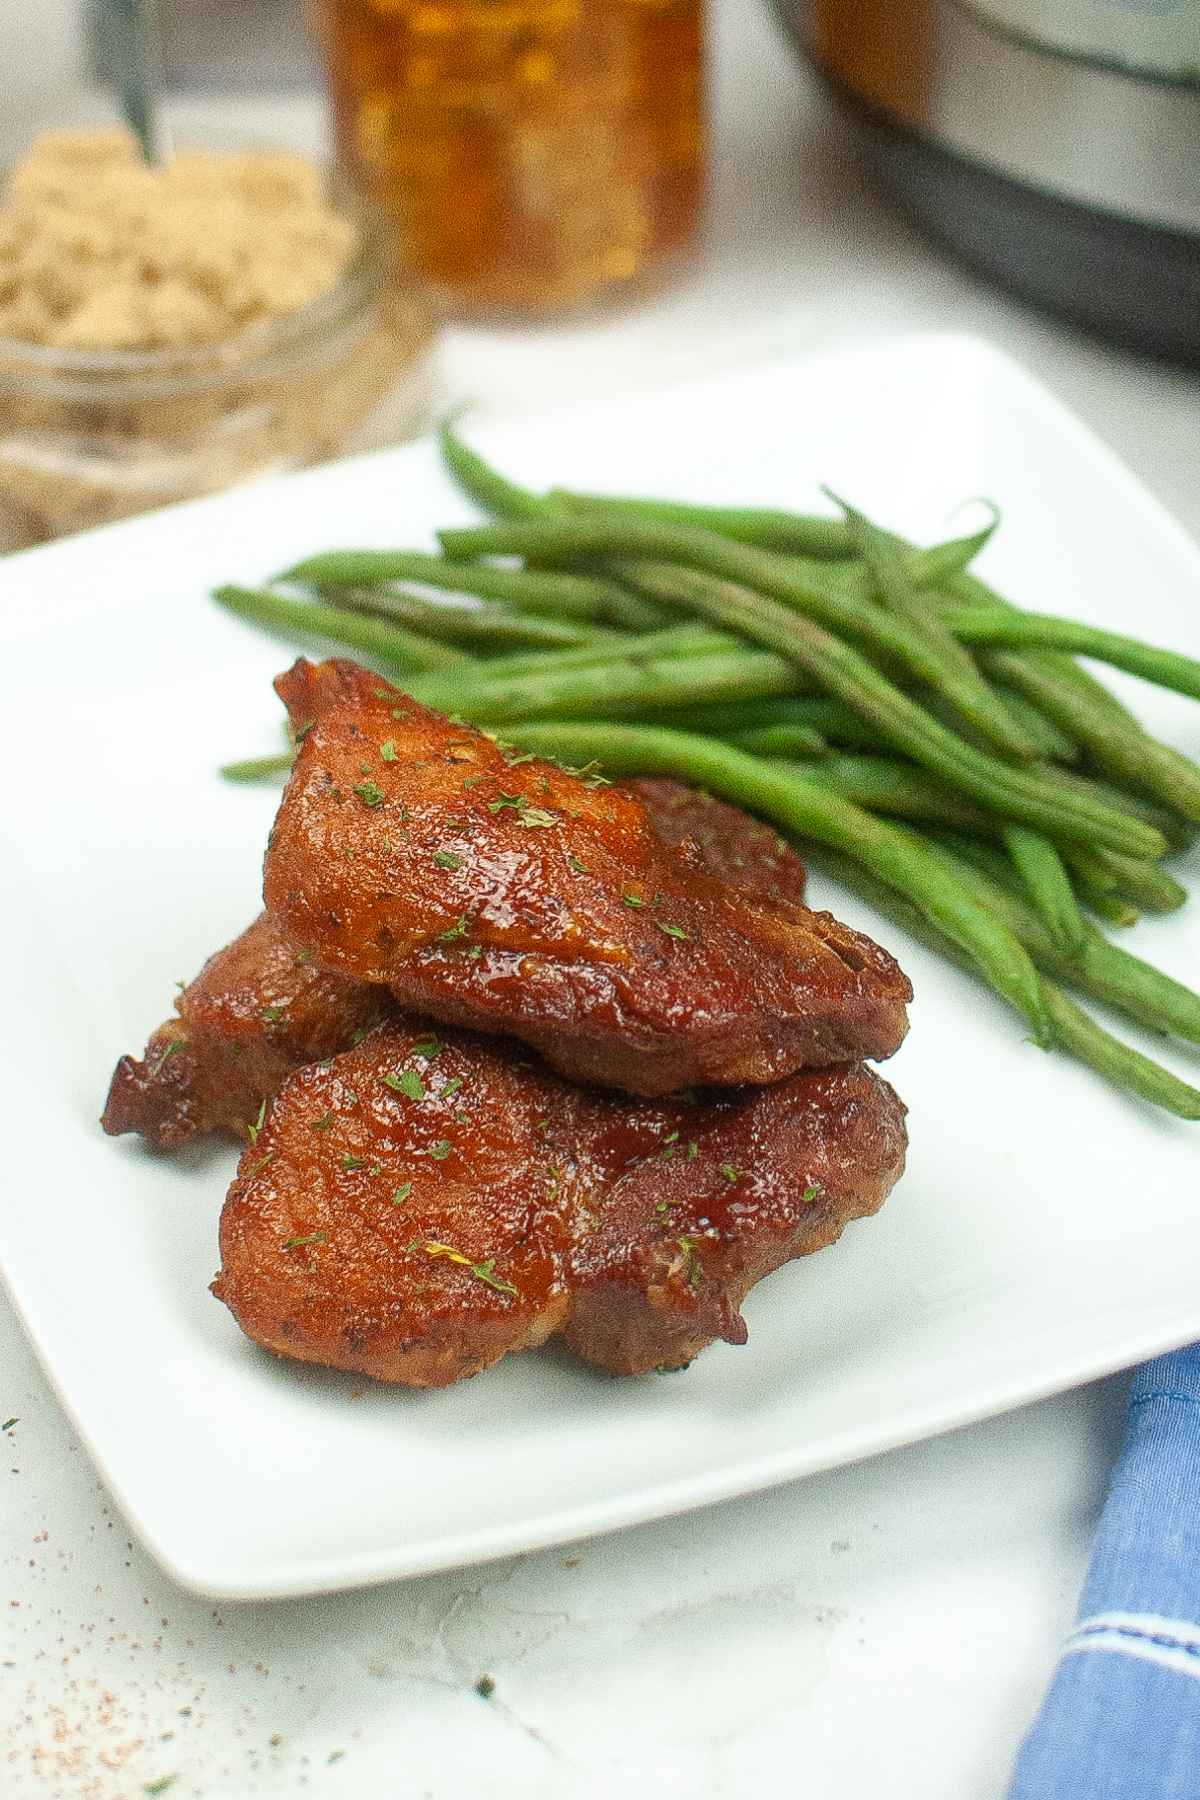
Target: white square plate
column 1048, row 1229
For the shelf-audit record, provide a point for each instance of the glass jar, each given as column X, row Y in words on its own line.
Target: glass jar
column 534, row 154
column 91, row 436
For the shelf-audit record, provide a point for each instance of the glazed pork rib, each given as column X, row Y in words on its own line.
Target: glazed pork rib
column 506, row 894
column 258, row 1009
column 421, row 1206
column 261, row 1007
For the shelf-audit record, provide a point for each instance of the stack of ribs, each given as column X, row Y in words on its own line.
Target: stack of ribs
column 517, row 1053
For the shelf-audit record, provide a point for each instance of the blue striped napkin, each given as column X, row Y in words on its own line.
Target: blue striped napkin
column 1122, row 1718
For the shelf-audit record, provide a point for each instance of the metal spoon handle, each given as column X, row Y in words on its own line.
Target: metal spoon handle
column 125, row 37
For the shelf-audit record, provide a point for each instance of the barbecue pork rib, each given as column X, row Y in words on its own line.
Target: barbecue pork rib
column 258, row 1009
column 504, row 893
column 261, row 1007
column 420, row 1206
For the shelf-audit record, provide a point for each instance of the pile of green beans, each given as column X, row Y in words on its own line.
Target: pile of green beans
column 933, row 744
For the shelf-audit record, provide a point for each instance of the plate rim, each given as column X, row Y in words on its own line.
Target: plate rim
column 202, row 1575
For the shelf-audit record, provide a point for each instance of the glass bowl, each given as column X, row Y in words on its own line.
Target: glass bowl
column 87, row 437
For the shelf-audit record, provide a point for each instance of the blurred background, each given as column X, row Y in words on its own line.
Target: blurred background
column 576, row 193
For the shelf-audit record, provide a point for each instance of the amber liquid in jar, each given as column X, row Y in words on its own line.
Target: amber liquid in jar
column 533, row 153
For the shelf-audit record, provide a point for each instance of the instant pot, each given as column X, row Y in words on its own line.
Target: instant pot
column 1054, row 143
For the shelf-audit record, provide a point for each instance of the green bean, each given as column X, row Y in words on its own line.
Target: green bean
column 482, row 627
column 1048, row 886
column 1179, row 832
column 625, row 687
column 1116, row 741
column 802, row 807
column 992, row 862
column 963, row 684
column 1005, row 626
column 1053, row 681
column 1113, row 739
column 692, row 638
column 1103, row 970
column 257, row 768
column 723, row 718
column 784, row 741
column 1104, row 902
column 542, row 592
column 1053, row 744
column 881, row 784
column 829, row 605
column 1074, row 1031
column 1145, row 883
column 391, row 644
column 485, row 484
column 840, row 669
column 806, row 537
column 789, row 533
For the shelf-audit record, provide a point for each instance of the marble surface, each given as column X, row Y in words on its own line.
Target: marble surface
column 884, row 1628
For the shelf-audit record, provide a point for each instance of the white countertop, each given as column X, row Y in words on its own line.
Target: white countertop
column 886, row 1628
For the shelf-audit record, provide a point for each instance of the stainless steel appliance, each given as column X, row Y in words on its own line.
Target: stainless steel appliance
column 1054, row 143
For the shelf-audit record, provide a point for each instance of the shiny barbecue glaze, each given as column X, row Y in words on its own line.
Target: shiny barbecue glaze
column 419, row 1207
column 505, row 893
column 258, row 1009
column 261, row 1008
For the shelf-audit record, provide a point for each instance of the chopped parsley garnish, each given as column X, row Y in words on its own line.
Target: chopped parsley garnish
column 401, row 1194
column 457, row 930
column 447, row 859
column 537, row 815
column 662, row 1206
column 475, row 952
column 485, row 1687
column 161, row 1785
column 408, row 1083
column 515, row 761
column 354, row 1162
column 675, row 931
column 809, row 1195
column 9, row 1423
column 167, row 1053
column 441, row 1150
column 470, row 781
column 579, row 868
column 427, row 1047
column 515, row 801
column 693, row 1149
column 252, row 1131
column 272, row 1014
column 633, row 900
column 729, row 1172
column 451, row 1087
column 314, row 1237
column 260, row 1164
column 323, row 1123
column 302, row 957
column 369, row 794
column 388, row 750
column 692, row 1272
column 590, row 775
column 483, row 1271
column 302, row 731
